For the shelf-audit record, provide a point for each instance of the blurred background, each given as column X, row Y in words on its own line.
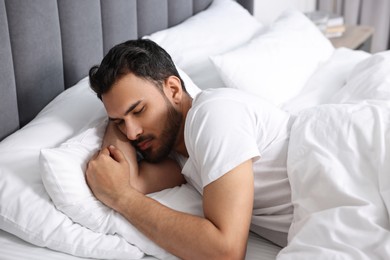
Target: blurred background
column 362, row 19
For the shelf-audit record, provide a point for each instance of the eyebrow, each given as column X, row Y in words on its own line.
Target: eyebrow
column 131, row 108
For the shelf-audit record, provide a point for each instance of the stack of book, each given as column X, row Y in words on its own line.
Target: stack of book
column 331, row 24
column 335, row 26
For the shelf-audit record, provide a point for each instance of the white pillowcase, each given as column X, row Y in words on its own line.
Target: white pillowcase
column 277, row 63
column 326, row 81
column 62, row 171
column 224, row 25
column 26, row 209
column 190, row 86
column 369, row 79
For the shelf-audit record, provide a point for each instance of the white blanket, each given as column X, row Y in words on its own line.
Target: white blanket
column 339, row 169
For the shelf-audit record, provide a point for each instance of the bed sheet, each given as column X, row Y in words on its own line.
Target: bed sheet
column 13, row 248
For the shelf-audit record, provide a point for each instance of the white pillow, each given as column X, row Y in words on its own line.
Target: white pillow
column 224, row 25
column 25, row 208
column 277, row 63
column 369, row 79
column 326, row 81
column 62, row 171
column 190, row 86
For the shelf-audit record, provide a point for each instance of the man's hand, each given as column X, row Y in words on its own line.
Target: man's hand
column 222, row 234
column 148, row 177
column 108, row 175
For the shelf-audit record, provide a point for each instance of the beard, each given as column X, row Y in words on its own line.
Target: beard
column 168, row 136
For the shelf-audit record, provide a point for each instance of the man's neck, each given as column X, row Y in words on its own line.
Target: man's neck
column 181, row 146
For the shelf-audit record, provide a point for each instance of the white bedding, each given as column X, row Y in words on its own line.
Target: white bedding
column 339, row 170
column 338, row 167
column 28, row 212
column 13, row 248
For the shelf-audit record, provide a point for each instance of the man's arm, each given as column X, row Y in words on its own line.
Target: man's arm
column 227, row 204
column 145, row 177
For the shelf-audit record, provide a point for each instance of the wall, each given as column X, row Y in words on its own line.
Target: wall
column 267, row 11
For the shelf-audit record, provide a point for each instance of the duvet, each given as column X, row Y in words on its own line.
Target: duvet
column 339, row 170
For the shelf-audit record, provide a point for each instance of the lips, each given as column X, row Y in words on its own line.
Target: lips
column 145, row 144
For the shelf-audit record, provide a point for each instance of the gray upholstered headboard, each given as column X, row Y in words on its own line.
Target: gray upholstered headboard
column 47, row 46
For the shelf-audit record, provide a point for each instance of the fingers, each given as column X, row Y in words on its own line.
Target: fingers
column 96, row 156
column 116, row 154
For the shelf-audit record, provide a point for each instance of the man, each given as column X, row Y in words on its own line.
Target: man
column 233, row 147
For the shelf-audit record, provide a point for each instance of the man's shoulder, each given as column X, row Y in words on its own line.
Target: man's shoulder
column 219, row 96
column 229, row 99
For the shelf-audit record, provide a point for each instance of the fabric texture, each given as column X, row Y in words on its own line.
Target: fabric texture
column 117, row 15
column 277, row 63
column 209, row 32
column 26, row 210
column 369, row 80
column 74, row 111
column 340, row 188
column 329, row 78
column 9, row 117
column 62, row 172
column 24, row 25
column 256, row 130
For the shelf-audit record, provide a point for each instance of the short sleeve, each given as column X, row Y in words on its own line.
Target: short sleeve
column 221, row 134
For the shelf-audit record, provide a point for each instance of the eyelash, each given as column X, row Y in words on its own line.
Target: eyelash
column 139, row 111
column 118, row 123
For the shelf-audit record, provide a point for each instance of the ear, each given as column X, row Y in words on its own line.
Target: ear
column 173, row 89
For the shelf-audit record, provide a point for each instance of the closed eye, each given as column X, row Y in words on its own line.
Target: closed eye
column 119, row 122
column 139, row 111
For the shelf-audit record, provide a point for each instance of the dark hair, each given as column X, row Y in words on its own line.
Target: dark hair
column 144, row 58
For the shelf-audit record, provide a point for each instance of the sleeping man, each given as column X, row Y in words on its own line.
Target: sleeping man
column 232, row 148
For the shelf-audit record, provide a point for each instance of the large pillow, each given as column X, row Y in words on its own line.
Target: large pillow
column 338, row 166
column 277, row 63
column 62, row 170
column 326, row 81
column 224, row 25
column 25, row 208
column 369, row 79
column 190, row 86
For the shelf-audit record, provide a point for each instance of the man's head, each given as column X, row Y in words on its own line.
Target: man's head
column 142, row 93
column 143, row 58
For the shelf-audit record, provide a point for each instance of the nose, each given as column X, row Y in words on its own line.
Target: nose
column 133, row 129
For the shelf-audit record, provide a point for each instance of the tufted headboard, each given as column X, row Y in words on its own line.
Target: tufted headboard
column 47, row 46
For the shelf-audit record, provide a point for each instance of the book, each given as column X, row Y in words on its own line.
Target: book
column 335, row 31
column 330, row 24
column 335, row 20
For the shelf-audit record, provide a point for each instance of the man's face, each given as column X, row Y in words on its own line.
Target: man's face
column 144, row 114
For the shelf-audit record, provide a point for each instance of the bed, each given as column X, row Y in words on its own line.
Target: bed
column 51, row 123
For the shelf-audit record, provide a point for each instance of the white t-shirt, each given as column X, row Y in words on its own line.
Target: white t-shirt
column 226, row 127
